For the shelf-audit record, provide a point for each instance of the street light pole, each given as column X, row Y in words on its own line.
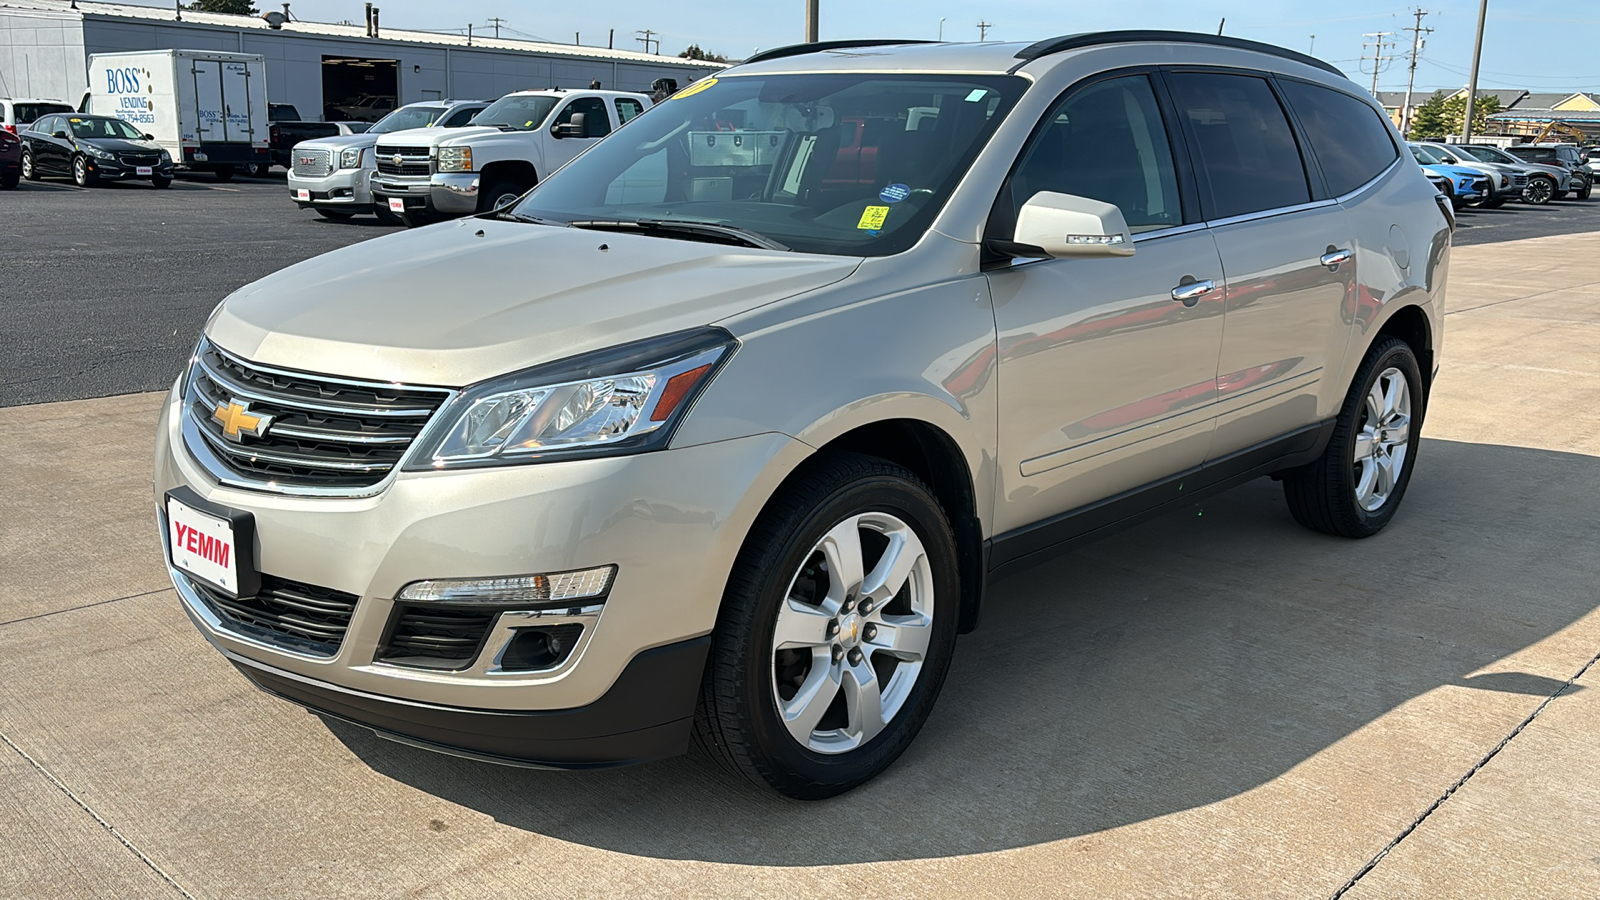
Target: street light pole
column 1472, row 81
column 941, row 28
column 812, row 15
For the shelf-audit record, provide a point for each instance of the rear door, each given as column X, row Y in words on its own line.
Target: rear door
column 210, row 114
column 1288, row 256
column 236, row 104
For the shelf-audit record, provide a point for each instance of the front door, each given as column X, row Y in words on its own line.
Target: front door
column 1106, row 381
column 560, row 150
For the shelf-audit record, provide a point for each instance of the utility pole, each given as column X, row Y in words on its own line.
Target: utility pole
column 648, row 34
column 1417, row 40
column 1220, row 24
column 1472, row 82
column 813, row 16
column 983, row 30
column 1379, row 47
column 1311, row 50
column 469, row 34
column 497, row 22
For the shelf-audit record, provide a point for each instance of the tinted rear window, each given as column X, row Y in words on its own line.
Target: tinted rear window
column 29, row 112
column 1349, row 139
column 1243, row 144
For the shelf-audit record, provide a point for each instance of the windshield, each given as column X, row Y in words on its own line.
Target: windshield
column 104, row 128
column 1426, row 155
column 855, row 164
column 520, row 112
column 407, row 117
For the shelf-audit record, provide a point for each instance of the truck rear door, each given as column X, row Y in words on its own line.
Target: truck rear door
column 235, row 78
column 210, row 115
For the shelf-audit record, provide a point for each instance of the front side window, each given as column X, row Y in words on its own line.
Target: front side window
column 1106, row 142
column 848, row 163
column 1245, row 150
column 517, row 112
column 594, row 115
column 1426, row 155
column 1349, row 138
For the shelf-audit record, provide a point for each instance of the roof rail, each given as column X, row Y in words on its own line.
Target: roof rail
column 820, row 46
column 1093, row 39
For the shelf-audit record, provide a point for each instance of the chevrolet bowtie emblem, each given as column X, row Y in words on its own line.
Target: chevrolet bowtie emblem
column 397, row 159
column 237, row 421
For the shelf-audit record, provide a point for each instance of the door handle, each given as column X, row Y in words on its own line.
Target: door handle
column 1333, row 258
column 1190, row 294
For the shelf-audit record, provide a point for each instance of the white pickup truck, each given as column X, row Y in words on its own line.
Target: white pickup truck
column 521, row 138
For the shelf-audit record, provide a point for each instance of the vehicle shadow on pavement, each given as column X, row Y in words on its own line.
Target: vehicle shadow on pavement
column 1177, row 664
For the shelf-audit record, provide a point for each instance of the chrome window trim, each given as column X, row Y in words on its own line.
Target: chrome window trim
column 1346, row 198
column 1169, row 231
column 1269, row 213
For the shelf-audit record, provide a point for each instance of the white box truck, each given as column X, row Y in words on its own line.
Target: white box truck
column 207, row 109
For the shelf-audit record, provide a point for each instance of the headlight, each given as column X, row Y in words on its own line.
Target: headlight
column 165, row 157
column 350, row 159
column 626, row 399
column 98, row 153
column 455, row 159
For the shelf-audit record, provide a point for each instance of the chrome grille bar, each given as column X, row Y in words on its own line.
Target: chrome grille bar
column 312, row 162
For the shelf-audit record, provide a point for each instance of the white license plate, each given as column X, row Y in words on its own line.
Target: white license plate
column 201, row 157
column 143, row 170
column 203, row 545
column 397, row 205
column 302, row 194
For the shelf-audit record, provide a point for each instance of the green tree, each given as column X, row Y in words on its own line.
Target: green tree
column 1455, row 113
column 1428, row 119
column 231, row 7
column 694, row 52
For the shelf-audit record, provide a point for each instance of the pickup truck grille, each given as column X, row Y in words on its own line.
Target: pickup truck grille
column 402, row 160
column 312, row 163
column 333, row 434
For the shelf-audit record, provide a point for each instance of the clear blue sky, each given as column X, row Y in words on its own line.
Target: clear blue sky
column 1534, row 44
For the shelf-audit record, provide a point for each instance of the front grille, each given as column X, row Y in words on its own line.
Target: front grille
column 1519, row 180
column 330, row 433
column 436, row 637
column 312, row 163
column 402, row 160
column 132, row 159
column 300, row 617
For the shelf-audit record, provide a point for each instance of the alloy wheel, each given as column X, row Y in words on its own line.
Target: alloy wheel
column 1382, row 440
column 80, row 172
column 852, row 634
column 27, row 166
column 1539, row 190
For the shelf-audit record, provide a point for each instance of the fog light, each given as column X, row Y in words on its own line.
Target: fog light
column 515, row 590
column 544, row 647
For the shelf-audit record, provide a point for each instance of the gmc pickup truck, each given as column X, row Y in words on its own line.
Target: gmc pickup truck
column 521, row 138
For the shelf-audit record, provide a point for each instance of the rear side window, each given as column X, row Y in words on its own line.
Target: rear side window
column 1244, row 147
column 462, row 116
column 1349, row 139
column 1106, row 142
column 627, row 108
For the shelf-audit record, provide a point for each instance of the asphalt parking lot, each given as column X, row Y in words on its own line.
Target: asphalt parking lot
column 1214, row 704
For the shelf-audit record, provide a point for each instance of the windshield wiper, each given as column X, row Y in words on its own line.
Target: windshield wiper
column 506, row 213
column 733, row 233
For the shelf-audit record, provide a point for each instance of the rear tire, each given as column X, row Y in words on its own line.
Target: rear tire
column 10, row 182
column 1354, row 488
column 859, row 668
column 223, row 173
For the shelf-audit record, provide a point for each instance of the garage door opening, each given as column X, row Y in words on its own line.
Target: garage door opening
column 359, row 90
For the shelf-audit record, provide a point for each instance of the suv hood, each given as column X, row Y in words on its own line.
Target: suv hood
column 342, row 141
column 455, row 303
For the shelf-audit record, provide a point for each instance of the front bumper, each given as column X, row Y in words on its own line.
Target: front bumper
column 672, row 522
column 345, row 189
column 453, row 194
column 108, row 169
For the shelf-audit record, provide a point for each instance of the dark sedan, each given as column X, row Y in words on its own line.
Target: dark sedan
column 10, row 159
column 89, row 149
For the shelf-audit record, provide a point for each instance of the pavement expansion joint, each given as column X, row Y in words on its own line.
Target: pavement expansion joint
column 111, row 829
column 1533, row 296
column 57, row 612
column 1417, row 822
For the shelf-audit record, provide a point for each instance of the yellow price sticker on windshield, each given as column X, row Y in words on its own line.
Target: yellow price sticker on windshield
column 695, row 88
column 872, row 218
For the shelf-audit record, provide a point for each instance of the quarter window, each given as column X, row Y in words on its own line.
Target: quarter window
column 1106, row 142
column 1244, row 148
column 1350, row 140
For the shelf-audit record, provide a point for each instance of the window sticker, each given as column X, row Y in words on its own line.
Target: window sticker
column 872, row 218
column 894, row 193
column 976, row 95
column 693, row 89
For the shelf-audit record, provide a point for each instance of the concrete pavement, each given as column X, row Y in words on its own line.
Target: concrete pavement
column 1214, row 704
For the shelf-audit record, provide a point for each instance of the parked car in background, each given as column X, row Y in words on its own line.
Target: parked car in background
column 707, row 439
column 10, row 160
column 1507, row 181
column 1543, row 180
column 15, row 113
column 91, row 149
column 520, row 139
column 331, row 174
column 1462, row 186
column 1562, row 156
column 364, row 109
column 285, row 129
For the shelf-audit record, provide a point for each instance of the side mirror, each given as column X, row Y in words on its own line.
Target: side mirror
column 148, row 137
column 576, row 127
column 62, row 135
column 1053, row 226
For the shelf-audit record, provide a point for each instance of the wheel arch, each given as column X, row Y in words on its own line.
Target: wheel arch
column 519, row 170
column 1410, row 323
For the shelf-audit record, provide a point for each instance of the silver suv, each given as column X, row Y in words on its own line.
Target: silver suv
column 721, row 431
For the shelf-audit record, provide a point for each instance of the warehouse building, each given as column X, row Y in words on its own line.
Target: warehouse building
column 45, row 46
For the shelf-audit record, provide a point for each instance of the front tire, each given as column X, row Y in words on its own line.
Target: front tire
column 1540, row 190
column 160, row 183
column 81, row 176
column 836, row 630
column 334, row 215
column 28, row 170
column 1354, row 488
column 503, row 193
